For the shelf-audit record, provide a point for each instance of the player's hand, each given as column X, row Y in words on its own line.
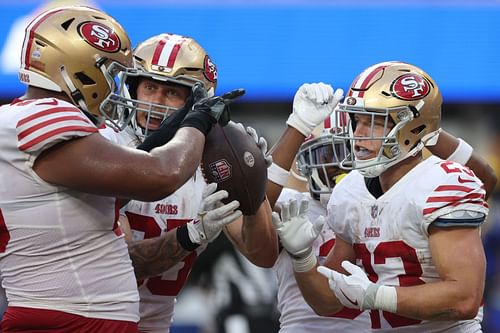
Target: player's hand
column 431, row 138
column 312, row 104
column 296, row 232
column 213, row 216
column 171, row 124
column 354, row 291
column 217, row 106
column 261, row 143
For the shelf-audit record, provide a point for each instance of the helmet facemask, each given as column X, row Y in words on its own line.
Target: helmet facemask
column 168, row 59
column 318, row 161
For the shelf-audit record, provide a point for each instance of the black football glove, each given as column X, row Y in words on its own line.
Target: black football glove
column 210, row 110
column 171, row 124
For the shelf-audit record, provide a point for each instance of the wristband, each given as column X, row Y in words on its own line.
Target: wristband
column 462, row 154
column 183, row 239
column 379, row 297
column 277, row 174
column 386, row 299
column 304, row 264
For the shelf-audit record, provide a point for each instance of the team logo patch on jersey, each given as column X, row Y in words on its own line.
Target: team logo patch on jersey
column 221, row 170
column 100, row 36
column 210, row 70
column 410, row 87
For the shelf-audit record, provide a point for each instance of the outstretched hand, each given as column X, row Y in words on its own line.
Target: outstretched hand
column 213, row 215
column 313, row 103
column 296, row 232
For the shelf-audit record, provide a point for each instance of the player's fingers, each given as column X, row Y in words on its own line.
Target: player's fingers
column 339, row 93
column 325, row 271
column 231, row 96
column 304, row 207
column 318, row 224
column 253, row 133
column 293, row 208
column 230, row 218
column 215, row 197
column 351, row 268
column 209, row 190
column 285, row 212
column 277, row 223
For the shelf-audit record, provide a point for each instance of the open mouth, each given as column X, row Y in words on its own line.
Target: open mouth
column 154, row 122
column 362, row 153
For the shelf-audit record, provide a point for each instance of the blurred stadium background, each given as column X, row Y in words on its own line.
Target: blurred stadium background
column 271, row 47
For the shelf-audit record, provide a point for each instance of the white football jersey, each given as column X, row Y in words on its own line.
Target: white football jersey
column 58, row 248
column 151, row 219
column 390, row 234
column 296, row 316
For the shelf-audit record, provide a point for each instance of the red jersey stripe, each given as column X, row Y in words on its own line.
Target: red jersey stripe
column 55, row 132
column 428, row 211
column 46, row 123
column 456, row 198
column 47, row 112
column 454, row 188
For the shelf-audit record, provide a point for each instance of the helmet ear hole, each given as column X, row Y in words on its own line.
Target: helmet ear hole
column 84, row 79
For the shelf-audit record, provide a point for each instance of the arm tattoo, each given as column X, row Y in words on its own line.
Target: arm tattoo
column 153, row 256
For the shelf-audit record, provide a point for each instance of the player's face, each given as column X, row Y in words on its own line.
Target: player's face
column 155, row 92
column 369, row 127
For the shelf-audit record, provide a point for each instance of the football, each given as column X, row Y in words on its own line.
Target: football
column 232, row 159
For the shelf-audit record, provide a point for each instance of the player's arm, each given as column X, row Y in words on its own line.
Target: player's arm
column 458, row 296
column 312, row 103
column 95, row 165
column 451, row 148
column 153, row 256
column 283, row 153
column 254, row 236
column 314, row 287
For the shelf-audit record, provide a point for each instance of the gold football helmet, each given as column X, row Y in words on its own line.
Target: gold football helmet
column 169, row 58
column 319, row 157
column 79, row 51
column 406, row 98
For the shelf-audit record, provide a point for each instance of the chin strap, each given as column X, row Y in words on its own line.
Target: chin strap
column 76, row 95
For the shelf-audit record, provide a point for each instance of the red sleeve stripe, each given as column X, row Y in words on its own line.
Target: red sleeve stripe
column 428, row 211
column 47, row 112
column 49, row 122
column 456, row 198
column 458, row 188
column 47, row 135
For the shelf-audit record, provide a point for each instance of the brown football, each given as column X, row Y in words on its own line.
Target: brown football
column 232, row 159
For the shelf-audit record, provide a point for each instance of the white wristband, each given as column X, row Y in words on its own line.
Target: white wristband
column 462, row 154
column 277, row 174
column 386, row 299
column 304, row 264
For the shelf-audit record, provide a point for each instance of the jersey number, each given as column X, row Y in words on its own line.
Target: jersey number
column 411, row 276
column 157, row 285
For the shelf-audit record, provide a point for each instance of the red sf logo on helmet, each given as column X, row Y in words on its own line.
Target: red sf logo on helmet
column 210, row 69
column 410, row 87
column 100, row 36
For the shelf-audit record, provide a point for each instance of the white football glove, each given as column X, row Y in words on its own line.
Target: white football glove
column 262, row 144
column 356, row 291
column 431, row 138
column 213, row 215
column 296, row 232
column 312, row 104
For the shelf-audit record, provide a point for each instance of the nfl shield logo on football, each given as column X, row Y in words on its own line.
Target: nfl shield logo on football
column 220, row 170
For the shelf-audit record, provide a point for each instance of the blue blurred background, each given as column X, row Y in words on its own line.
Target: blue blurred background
column 271, row 47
